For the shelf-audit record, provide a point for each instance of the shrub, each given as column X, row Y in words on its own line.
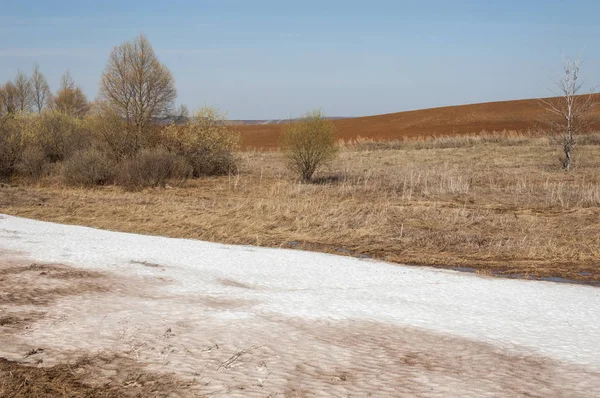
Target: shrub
column 58, row 135
column 115, row 136
column 206, row 142
column 11, row 145
column 153, row 168
column 88, row 168
column 33, row 162
column 110, row 133
column 309, row 144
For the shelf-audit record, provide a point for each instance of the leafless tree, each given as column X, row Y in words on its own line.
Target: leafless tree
column 41, row 90
column 70, row 98
column 569, row 109
column 182, row 113
column 137, row 86
column 8, row 99
column 24, row 92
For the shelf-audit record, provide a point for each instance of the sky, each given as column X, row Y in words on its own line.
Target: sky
column 271, row 59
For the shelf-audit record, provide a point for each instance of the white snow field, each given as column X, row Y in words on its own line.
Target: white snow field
column 246, row 321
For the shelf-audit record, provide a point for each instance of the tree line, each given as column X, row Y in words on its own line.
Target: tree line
column 134, row 85
column 115, row 140
column 32, row 94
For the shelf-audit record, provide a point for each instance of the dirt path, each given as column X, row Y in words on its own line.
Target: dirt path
column 66, row 331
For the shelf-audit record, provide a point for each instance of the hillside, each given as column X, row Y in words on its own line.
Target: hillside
column 270, row 121
column 519, row 115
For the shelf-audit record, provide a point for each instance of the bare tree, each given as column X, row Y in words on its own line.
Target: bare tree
column 70, row 98
column 137, row 86
column 182, row 114
column 570, row 110
column 24, row 92
column 41, row 90
column 8, row 99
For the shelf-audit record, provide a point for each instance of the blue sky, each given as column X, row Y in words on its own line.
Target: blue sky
column 274, row 59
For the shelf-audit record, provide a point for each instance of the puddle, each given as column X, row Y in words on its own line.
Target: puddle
column 463, row 269
column 554, row 279
column 565, row 280
column 341, row 250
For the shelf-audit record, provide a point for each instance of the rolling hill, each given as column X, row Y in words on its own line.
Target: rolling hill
column 517, row 115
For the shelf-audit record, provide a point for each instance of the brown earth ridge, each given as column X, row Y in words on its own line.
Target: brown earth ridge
column 522, row 116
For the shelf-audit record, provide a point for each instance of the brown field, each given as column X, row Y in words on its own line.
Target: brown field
column 522, row 116
column 499, row 204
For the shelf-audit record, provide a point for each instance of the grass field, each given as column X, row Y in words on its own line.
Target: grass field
column 499, row 204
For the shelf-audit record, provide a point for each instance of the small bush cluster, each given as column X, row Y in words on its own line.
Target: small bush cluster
column 206, row 142
column 153, row 168
column 33, row 162
column 55, row 134
column 11, row 146
column 30, row 142
column 101, row 149
column 113, row 135
column 117, row 138
column 89, row 168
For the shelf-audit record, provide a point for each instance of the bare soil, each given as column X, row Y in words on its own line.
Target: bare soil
column 524, row 116
column 53, row 281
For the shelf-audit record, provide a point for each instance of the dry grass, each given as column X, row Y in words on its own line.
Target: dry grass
column 503, row 138
column 499, row 205
column 83, row 380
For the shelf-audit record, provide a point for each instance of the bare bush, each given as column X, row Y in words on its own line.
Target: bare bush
column 206, row 141
column 11, row 145
column 153, row 168
column 57, row 134
column 109, row 130
column 309, row 144
column 89, row 168
column 137, row 87
column 33, row 162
